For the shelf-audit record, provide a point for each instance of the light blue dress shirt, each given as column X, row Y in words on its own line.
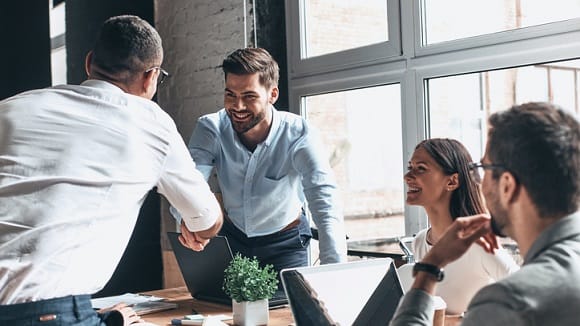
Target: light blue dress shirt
column 263, row 191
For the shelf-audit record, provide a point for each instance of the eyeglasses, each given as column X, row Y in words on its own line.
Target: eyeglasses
column 478, row 168
column 162, row 75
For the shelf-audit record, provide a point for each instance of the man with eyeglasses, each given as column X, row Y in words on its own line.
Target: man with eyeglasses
column 76, row 163
column 531, row 183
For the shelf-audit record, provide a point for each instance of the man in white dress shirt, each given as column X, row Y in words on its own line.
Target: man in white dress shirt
column 76, row 163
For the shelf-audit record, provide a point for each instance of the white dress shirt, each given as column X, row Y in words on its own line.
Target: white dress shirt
column 76, row 163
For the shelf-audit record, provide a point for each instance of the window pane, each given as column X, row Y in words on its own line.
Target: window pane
column 446, row 20
column 460, row 105
column 364, row 141
column 337, row 25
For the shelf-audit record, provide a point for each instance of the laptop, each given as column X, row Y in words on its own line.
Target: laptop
column 203, row 271
column 365, row 292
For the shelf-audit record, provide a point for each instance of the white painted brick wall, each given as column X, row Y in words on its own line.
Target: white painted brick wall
column 197, row 35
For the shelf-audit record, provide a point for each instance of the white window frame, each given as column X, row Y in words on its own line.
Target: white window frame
column 411, row 64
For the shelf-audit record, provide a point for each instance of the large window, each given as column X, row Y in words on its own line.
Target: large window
column 442, row 68
column 446, row 20
column 362, row 130
column 338, row 25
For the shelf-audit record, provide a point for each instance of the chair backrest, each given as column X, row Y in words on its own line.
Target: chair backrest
column 405, row 273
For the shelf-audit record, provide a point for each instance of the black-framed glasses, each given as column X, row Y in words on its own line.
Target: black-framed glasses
column 479, row 168
column 162, row 74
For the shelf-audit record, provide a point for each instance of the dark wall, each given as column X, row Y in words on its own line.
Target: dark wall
column 83, row 20
column 25, row 55
column 141, row 267
column 271, row 35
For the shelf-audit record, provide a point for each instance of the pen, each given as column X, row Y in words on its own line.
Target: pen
column 186, row 322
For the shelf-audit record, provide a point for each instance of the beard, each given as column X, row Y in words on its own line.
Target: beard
column 499, row 221
column 496, row 228
column 244, row 126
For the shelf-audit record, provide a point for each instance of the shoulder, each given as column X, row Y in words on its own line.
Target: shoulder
column 420, row 246
column 294, row 124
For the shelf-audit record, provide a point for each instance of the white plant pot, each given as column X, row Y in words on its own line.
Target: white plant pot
column 250, row 313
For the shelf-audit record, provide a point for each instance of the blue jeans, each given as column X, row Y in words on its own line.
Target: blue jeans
column 69, row 310
column 283, row 249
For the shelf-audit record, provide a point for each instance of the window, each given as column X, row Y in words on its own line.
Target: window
column 460, row 105
column 362, row 130
column 446, row 20
column 333, row 34
column 337, row 25
column 450, row 71
column 57, row 41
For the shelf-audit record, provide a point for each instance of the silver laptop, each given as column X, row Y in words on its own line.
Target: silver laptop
column 203, row 271
column 365, row 292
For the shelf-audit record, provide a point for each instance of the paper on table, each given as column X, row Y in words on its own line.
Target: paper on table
column 141, row 303
column 128, row 298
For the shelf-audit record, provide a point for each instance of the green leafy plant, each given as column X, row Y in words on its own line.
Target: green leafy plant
column 245, row 280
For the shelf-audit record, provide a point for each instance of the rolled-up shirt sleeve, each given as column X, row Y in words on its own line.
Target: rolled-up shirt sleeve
column 186, row 188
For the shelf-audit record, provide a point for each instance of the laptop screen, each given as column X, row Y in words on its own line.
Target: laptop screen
column 364, row 292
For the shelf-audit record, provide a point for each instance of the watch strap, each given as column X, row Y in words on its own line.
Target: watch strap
column 429, row 268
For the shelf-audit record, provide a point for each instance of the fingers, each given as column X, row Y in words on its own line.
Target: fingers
column 190, row 240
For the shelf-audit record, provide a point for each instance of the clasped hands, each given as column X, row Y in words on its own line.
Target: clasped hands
column 192, row 240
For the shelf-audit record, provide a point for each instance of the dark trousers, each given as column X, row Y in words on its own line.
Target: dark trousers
column 69, row 310
column 284, row 249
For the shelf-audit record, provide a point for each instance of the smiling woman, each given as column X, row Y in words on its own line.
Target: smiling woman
column 439, row 179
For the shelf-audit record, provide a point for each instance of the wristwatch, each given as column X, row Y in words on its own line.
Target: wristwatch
column 431, row 269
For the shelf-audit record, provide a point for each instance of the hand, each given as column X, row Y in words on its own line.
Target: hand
column 459, row 237
column 129, row 315
column 192, row 240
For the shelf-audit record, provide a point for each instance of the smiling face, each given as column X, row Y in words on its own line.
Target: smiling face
column 427, row 185
column 247, row 103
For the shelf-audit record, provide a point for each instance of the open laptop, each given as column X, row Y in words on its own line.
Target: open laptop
column 203, row 271
column 365, row 292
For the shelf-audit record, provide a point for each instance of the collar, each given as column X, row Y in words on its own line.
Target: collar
column 565, row 228
column 274, row 127
column 97, row 83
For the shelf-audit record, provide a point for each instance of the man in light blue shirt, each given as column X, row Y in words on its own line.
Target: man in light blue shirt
column 268, row 164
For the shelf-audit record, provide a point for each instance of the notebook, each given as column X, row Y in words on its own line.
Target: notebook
column 203, row 271
column 365, row 292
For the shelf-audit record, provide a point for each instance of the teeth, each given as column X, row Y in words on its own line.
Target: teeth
column 241, row 116
column 412, row 189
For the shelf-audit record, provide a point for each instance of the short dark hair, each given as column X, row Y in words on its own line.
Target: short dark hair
column 126, row 46
column 539, row 143
column 453, row 157
column 253, row 60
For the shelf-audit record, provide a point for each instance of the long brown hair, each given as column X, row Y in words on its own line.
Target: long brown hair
column 453, row 157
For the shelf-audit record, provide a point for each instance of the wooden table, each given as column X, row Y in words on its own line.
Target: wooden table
column 187, row 306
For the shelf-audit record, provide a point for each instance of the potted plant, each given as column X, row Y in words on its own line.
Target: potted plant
column 250, row 287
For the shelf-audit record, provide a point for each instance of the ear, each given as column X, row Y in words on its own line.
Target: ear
column 88, row 60
column 508, row 188
column 274, row 93
column 453, row 182
column 149, row 83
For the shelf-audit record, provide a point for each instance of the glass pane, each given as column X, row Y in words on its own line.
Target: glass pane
column 337, row 25
column 445, row 20
column 460, row 105
column 364, row 142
